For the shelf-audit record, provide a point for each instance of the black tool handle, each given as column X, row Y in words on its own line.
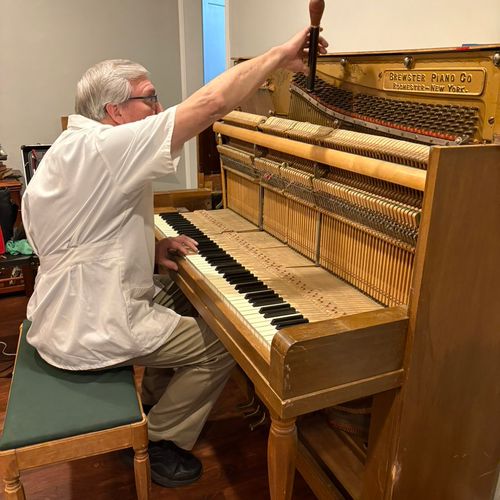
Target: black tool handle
column 316, row 8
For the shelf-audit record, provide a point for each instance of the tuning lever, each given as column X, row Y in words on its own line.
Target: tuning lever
column 316, row 8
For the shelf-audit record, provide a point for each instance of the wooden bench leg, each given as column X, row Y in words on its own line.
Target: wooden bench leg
column 13, row 487
column 142, row 469
column 142, row 473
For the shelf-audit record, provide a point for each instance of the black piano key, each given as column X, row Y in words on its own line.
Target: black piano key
column 268, row 302
column 284, row 323
column 257, row 301
column 230, row 272
column 279, row 321
column 183, row 224
column 262, row 294
column 207, row 247
column 213, row 253
column 280, row 312
column 265, row 309
column 245, row 284
column 234, row 269
column 220, row 259
column 238, row 279
column 259, row 294
column 188, row 230
column 249, row 287
column 221, row 264
column 241, row 277
column 191, row 231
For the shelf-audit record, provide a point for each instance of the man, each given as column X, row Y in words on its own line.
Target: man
column 88, row 215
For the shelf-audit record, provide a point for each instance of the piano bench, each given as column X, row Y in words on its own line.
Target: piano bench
column 56, row 415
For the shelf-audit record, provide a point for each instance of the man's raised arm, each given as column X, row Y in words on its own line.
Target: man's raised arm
column 235, row 85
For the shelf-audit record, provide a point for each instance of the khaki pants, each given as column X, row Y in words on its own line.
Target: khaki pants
column 184, row 377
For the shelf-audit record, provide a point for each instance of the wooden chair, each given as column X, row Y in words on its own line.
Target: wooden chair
column 57, row 415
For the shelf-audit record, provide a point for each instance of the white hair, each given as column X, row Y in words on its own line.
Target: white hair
column 106, row 82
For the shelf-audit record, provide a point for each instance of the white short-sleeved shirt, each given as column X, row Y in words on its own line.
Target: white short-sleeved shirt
column 88, row 213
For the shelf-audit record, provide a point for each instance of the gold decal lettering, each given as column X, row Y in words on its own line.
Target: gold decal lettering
column 436, row 81
column 465, row 77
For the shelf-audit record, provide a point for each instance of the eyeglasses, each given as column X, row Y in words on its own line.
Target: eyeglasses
column 148, row 99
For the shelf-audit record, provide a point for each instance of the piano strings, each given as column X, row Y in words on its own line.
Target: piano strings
column 362, row 229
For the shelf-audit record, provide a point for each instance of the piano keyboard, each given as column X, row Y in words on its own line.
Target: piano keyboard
column 268, row 298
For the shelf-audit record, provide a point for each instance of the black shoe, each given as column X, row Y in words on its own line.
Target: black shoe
column 172, row 466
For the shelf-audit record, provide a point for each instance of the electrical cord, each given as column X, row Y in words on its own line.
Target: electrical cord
column 3, row 345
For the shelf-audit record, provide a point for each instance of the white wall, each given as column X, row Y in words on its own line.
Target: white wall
column 46, row 45
column 191, row 74
column 364, row 25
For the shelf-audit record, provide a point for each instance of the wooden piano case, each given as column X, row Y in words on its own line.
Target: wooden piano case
column 427, row 365
column 428, row 358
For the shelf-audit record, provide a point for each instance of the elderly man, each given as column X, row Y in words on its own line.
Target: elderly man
column 88, row 215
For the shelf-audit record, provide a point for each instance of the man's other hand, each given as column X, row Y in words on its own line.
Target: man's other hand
column 178, row 246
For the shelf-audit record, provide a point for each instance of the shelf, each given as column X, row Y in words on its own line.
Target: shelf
column 328, row 457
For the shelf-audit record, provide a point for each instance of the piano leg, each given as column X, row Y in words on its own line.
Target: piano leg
column 281, row 456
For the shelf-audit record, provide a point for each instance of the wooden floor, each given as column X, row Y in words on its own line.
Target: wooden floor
column 233, row 457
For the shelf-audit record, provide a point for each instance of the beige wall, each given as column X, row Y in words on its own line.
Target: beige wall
column 191, row 74
column 45, row 46
column 364, row 25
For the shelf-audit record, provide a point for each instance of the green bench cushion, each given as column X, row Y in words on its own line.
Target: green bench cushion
column 48, row 403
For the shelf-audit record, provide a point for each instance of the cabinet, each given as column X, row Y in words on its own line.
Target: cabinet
column 23, row 280
column 14, row 188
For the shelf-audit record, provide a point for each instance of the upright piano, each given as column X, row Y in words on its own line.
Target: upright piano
column 357, row 256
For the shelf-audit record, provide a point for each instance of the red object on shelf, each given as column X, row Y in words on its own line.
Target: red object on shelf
column 2, row 244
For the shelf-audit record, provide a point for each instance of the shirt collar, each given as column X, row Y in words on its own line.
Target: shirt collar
column 78, row 122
